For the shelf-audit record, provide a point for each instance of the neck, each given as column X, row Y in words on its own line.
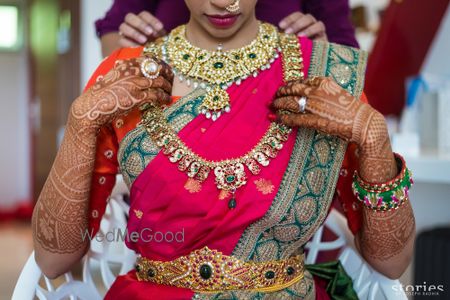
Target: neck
column 201, row 38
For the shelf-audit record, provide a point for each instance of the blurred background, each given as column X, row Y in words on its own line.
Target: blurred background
column 49, row 48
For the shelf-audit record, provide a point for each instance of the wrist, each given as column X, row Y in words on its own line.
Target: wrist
column 374, row 135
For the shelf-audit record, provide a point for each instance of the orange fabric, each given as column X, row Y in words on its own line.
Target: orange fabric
column 106, row 168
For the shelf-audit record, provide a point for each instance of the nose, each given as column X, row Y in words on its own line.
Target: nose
column 222, row 4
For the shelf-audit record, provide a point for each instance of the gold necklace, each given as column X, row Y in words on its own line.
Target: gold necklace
column 216, row 71
column 229, row 174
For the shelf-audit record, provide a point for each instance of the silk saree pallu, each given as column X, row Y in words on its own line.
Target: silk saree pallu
column 274, row 214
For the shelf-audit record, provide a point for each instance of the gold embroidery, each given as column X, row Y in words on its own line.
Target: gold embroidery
column 119, row 123
column 264, row 186
column 193, row 186
column 224, row 195
column 138, row 213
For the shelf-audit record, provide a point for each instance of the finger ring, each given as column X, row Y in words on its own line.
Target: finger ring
column 150, row 68
column 302, row 104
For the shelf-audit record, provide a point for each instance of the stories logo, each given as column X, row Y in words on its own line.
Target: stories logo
column 424, row 289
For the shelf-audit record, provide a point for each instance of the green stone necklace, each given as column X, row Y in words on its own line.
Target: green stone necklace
column 216, row 71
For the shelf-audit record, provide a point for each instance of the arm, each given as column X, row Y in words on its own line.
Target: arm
column 60, row 215
column 385, row 239
column 335, row 14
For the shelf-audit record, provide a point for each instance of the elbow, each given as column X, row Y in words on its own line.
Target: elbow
column 49, row 269
column 53, row 266
column 399, row 267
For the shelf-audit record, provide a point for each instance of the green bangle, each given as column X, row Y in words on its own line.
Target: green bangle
column 390, row 196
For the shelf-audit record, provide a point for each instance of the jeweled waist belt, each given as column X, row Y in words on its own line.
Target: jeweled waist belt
column 210, row 271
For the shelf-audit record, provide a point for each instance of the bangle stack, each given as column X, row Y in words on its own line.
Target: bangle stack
column 385, row 196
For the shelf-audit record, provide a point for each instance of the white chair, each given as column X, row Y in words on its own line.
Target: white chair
column 105, row 257
column 368, row 283
column 103, row 262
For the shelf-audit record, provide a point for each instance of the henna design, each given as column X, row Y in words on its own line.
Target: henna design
column 385, row 234
column 60, row 215
column 120, row 90
column 334, row 111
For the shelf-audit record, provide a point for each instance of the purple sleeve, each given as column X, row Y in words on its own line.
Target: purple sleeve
column 116, row 14
column 335, row 14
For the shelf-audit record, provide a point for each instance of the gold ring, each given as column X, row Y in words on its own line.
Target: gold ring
column 150, row 68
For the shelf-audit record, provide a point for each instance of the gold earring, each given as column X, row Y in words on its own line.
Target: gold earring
column 234, row 7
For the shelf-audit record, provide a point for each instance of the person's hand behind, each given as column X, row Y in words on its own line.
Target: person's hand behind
column 304, row 25
column 139, row 29
column 121, row 90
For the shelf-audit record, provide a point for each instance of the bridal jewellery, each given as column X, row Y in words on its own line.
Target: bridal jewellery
column 217, row 70
column 234, row 7
column 229, row 174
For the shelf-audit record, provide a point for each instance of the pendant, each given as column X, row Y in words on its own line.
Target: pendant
column 216, row 102
column 230, row 177
column 232, row 203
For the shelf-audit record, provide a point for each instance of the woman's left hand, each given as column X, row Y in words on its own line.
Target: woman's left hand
column 331, row 110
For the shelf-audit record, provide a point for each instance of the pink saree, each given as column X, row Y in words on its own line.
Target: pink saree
column 192, row 217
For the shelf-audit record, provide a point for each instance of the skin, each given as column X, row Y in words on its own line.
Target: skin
column 138, row 29
column 386, row 238
column 60, row 215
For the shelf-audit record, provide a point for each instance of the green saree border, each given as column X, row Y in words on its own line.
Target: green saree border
column 137, row 150
column 346, row 65
column 301, row 206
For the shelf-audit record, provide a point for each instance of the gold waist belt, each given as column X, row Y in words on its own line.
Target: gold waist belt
column 210, row 271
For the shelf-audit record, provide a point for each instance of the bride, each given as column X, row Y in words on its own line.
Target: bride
column 240, row 137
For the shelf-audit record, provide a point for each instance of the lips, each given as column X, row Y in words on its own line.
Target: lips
column 223, row 21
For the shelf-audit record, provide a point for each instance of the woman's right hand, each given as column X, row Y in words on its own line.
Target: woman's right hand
column 119, row 91
column 139, row 29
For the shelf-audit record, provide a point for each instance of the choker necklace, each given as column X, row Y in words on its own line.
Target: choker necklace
column 217, row 70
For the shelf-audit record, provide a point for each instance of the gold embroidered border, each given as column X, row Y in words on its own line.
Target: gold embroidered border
column 345, row 64
column 132, row 161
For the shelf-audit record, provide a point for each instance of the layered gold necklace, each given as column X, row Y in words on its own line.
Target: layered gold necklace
column 216, row 71
column 230, row 174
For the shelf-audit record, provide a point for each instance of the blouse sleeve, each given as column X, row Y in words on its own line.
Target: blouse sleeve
column 106, row 166
column 344, row 194
column 119, row 9
column 335, row 14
